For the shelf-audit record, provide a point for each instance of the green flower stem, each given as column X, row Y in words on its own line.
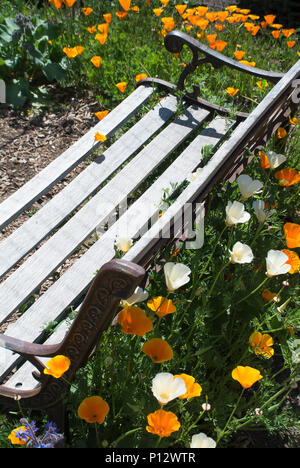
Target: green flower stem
column 230, row 417
column 214, row 283
column 158, row 442
column 194, row 423
column 252, row 292
column 97, row 434
column 115, row 443
column 212, row 253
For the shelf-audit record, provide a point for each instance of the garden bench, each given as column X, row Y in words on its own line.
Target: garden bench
column 172, row 136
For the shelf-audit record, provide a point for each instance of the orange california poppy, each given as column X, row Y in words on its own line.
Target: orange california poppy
column 268, row 295
column 201, row 10
column 211, row 37
column 148, row 2
column 158, row 350
column 222, row 15
column 101, row 38
column 276, row 26
column 193, row 388
column 101, row 114
column 69, row 3
column 157, row 11
column 162, row 423
column 249, row 64
column 125, row 4
column 262, row 344
column 290, row 44
column 262, row 84
column 103, row 28
column 231, row 91
column 96, row 61
column 255, row 30
column 93, row 409
column 246, row 376
column 202, row 23
column 219, row 45
column 135, row 8
column 121, row 86
column 164, row 2
column 107, row 17
column 56, row 3
column 293, row 120
column 161, row 306
column 264, row 162
column 293, row 260
column 79, row 49
column 269, row 19
column 292, row 235
column 57, row 366
column 281, row 133
column 276, row 34
column 230, row 19
column 99, row 137
column 287, row 32
column 70, row 52
column 180, row 8
column 253, row 17
column 134, row 321
column 249, row 26
column 87, row 11
column 169, row 23
column 16, row 436
column 121, row 14
column 140, row 76
column 211, row 16
column 219, row 27
column 239, row 54
column 92, row 29
column 287, row 177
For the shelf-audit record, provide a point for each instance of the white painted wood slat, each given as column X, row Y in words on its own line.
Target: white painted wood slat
column 79, row 276
column 48, row 177
column 31, row 274
column 36, row 228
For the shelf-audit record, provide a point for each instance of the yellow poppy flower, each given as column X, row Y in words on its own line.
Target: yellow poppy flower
column 96, row 61
column 93, row 410
column 246, row 376
column 101, row 114
column 15, row 439
column 262, row 344
column 134, row 321
column 193, row 388
column 122, row 86
column 232, row 91
column 161, row 306
column 57, row 366
column 162, row 423
column 158, row 350
column 99, row 137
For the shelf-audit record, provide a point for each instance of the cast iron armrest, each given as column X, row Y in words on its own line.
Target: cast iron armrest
column 25, row 348
column 175, row 40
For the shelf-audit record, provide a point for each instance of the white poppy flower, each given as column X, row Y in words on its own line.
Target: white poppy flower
column 139, row 295
column 260, row 212
column 123, row 243
column 276, row 263
column 241, row 253
column 248, row 186
column 194, row 175
column 275, row 159
column 176, row 275
column 235, row 213
column 166, row 388
column 201, row 440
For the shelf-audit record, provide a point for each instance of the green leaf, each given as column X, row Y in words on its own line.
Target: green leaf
column 17, row 92
column 54, row 72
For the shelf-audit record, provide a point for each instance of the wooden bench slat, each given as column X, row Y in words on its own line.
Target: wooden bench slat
column 36, row 228
column 31, row 274
column 48, row 177
column 77, row 279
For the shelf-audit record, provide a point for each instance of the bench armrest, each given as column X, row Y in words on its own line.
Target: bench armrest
column 175, row 40
column 25, row 348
